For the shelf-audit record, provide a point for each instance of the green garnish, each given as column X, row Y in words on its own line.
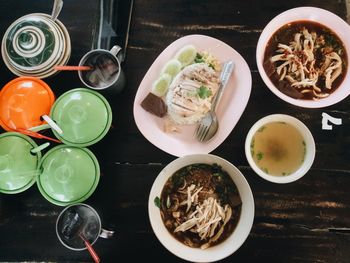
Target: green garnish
column 252, row 143
column 304, row 152
column 211, row 66
column 261, row 128
column 265, row 170
column 157, row 201
column 204, row 92
column 260, row 155
column 199, row 58
column 252, row 146
column 303, row 142
column 216, row 174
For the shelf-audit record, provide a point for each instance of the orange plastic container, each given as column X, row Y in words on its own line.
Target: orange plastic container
column 23, row 101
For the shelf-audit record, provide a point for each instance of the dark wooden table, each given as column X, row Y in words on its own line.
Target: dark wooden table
column 304, row 221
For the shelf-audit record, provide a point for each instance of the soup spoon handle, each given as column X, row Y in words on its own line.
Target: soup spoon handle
column 56, row 10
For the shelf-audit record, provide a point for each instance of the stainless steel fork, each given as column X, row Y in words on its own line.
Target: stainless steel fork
column 209, row 124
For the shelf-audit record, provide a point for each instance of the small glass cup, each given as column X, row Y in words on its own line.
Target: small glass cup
column 106, row 73
column 78, row 222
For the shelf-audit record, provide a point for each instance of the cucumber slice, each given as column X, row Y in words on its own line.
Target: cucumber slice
column 186, row 55
column 161, row 85
column 172, row 67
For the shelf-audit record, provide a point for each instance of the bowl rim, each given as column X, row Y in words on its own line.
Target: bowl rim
column 314, row 14
column 308, row 138
column 217, row 252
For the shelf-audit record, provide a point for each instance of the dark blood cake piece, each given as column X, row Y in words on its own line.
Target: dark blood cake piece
column 154, row 105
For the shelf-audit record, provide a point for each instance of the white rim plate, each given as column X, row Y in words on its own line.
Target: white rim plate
column 233, row 242
column 230, row 108
column 324, row 17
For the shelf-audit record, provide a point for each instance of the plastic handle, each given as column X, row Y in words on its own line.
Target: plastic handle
column 52, row 124
column 72, row 68
column 40, row 147
column 36, row 135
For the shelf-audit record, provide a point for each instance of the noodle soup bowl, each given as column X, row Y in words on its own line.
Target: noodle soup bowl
column 307, row 142
column 214, row 252
column 313, row 15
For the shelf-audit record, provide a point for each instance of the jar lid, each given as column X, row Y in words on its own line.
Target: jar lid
column 84, row 116
column 68, row 175
column 18, row 167
column 32, row 43
column 23, row 101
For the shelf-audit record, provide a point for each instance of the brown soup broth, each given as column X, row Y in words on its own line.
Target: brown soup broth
column 215, row 182
column 285, row 35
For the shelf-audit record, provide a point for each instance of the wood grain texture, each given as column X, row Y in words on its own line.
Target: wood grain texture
column 305, row 221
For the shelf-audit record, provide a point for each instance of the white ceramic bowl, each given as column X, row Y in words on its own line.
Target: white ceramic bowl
column 308, row 139
column 217, row 252
column 332, row 21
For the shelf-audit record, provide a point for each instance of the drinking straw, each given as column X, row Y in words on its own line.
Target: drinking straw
column 73, row 68
column 35, row 135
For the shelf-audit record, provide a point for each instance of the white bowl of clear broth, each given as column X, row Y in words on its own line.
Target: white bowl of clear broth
column 280, row 148
column 201, row 208
column 303, row 57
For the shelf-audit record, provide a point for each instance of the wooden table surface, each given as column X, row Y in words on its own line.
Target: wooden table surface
column 304, row 221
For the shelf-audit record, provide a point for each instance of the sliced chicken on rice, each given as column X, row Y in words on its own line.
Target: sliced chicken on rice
column 191, row 92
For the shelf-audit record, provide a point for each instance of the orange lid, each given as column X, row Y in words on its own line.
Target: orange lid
column 23, row 101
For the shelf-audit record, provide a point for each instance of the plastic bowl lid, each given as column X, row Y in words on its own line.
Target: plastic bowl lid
column 23, row 101
column 68, row 175
column 18, row 167
column 84, row 116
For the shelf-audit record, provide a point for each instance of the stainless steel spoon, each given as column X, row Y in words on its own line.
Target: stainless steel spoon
column 209, row 124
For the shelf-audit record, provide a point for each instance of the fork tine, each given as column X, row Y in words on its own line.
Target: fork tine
column 200, row 132
column 197, row 129
column 203, row 132
column 206, row 130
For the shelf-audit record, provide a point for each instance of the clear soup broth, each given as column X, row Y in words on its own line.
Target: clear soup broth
column 278, row 148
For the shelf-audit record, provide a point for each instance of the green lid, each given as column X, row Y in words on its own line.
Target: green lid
column 68, row 175
column 83, row 115
column 18, row 167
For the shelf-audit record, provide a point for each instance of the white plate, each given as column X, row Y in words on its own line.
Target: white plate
column 219, row 251
column 324, row 17
column 230, row 108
